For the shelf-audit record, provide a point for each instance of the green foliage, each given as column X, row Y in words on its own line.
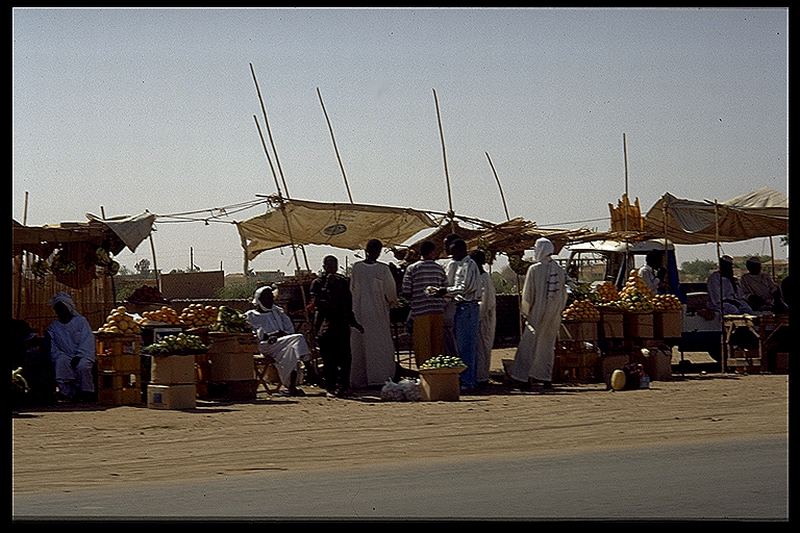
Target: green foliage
column 697, row 270
column 239, row 289
column 142, row 266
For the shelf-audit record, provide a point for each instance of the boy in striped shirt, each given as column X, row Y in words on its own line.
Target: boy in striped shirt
column 427, row 312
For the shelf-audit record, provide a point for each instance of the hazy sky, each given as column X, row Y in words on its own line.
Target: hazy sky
column 136, row 109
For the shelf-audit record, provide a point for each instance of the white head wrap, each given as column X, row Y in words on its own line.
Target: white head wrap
column 542, row 248
column 257, row 296
column 65, row 299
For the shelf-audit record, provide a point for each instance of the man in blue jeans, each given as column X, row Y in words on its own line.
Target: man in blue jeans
column 465, row 292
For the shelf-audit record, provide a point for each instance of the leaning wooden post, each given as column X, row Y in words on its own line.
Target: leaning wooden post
column 335, row 148
column 450, row 213
column 155, row 264
column 724, row 344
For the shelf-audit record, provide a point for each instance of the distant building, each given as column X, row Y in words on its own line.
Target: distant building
column 270, row 276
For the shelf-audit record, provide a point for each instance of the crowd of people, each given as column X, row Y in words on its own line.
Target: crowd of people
column 451, row 311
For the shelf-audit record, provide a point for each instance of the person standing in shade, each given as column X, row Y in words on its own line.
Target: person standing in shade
column 649, row 272
column 544, row 296
column 374, row 292
column 72, row 350
column 450, row 305
column 333, row 305
column 427, row 312
column 487, row 320
column 465, row 292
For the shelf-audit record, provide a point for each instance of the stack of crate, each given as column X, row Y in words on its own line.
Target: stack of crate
column 575, row 361
column 232, row 366
column 172, row 382
column 118, row 368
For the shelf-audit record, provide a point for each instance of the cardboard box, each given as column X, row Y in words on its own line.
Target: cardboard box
column 579, row 330
column 667, row 324
column 171, row 396
column 172, row 369
column 232, row 366
column 440, row 384
column 610, row 362
column 657, row 363
column 232, row 343
column 638, row 325
column 578, row 366
column 611, row 325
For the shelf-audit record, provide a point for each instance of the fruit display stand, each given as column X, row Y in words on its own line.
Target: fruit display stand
column 440, row 384
column 118, row 368
column 667, row 324
column 231, row 366
column 638, row 325
column 611, row 324
column 575, row 361
column 580, row 330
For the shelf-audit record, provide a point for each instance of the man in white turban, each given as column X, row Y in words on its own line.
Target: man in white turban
column 72, row 350
column 544, row 296
column 277, row 338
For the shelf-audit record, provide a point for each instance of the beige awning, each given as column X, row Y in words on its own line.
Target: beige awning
column 760, row 213
column 341, row 225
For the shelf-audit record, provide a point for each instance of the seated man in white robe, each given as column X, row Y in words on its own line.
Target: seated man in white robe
column 277, row 338
column 72, row 350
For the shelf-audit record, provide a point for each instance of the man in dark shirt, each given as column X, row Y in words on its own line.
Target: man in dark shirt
column 333, row 302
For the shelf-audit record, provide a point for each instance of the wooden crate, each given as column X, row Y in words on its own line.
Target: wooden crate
column 580, row 330
column 744, row 361
column 109, row 380
column 130, row 363
column 117, row 344
column 232, row 343
column 172, row 369
column 781, row 363
column 124, row 396
column 667, row 324
column 612, row 324
column 638, row 325
column 575, row 367
column 440, row 384
column 657, row 363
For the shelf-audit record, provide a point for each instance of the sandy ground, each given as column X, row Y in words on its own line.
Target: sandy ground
column 69, row 447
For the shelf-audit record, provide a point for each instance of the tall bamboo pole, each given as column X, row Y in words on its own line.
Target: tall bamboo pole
column 508, row 217
column 497, row 179
column 625, row 203
column 444, row 157
column 335, row 148
column 724, row 344
column 269, row 159
column 772, row 253
column 275, row 152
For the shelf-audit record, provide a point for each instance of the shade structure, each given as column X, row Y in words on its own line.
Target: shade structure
column 760, row 213
column 342, row 225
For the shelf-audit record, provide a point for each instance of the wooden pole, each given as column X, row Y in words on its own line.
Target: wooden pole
column 335, row 148
column 772, row 253
column 502, row 196
column 269, row 159
column 444, row 157
column 724, row 344
column 155, row 265
column 269, row 130
column 625, row 202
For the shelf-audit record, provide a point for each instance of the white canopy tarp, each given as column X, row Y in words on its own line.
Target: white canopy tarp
column 342, row 225
column 131, row 230
column 760, row 213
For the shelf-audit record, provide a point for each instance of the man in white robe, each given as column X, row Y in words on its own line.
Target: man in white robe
column 374, row 292
column 487, row 320
column 72, row 350
column 544, row 296
column 277, row 338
